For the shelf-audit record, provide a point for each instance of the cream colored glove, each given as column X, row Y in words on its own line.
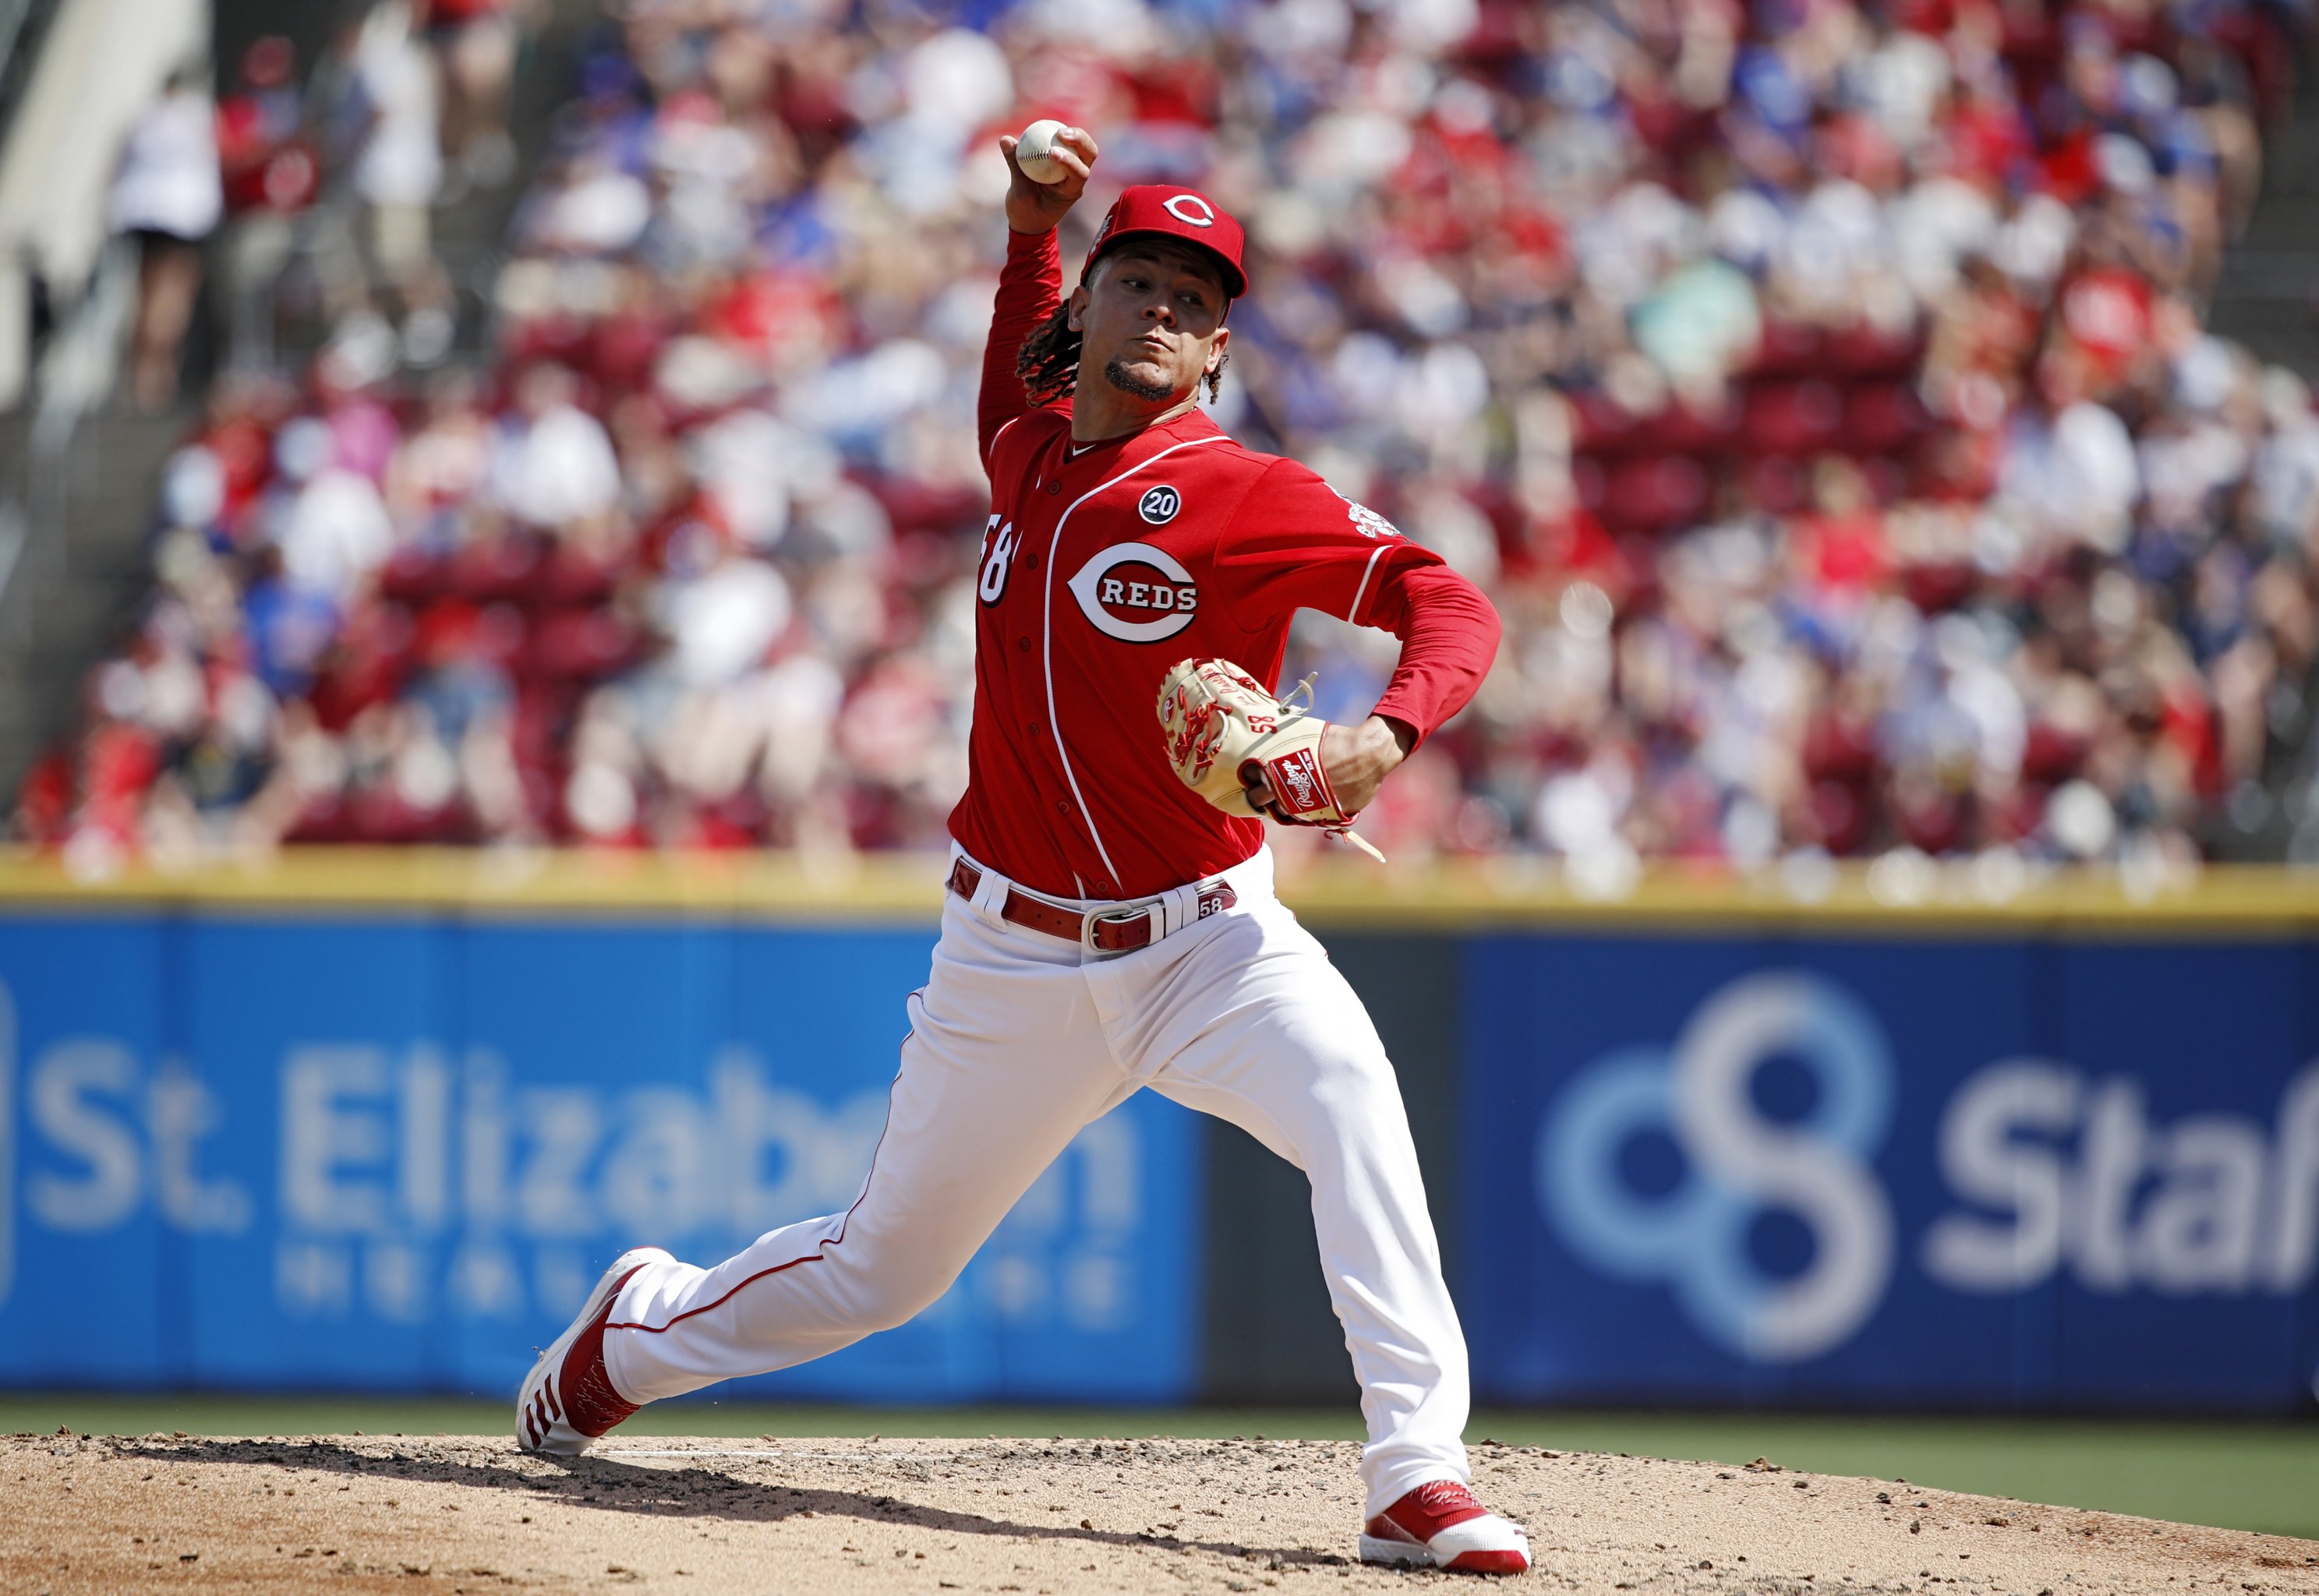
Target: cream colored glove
column 1221, row 728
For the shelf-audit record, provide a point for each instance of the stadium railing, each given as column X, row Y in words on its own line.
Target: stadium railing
column 1894, row 891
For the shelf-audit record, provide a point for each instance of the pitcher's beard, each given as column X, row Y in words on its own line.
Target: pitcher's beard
column 1117, row 372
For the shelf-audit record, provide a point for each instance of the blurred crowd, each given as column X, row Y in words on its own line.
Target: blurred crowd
column 406, row 111
column 1818, row 388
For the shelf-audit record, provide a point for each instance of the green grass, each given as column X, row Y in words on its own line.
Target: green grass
column 2240, row 1475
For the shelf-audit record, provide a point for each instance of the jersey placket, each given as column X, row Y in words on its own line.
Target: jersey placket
column 1022, row 640
column 1083, row 524
column 1071, row 483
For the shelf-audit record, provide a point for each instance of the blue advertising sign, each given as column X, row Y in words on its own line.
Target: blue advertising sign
column 1996, row 1173
column 394, row 1154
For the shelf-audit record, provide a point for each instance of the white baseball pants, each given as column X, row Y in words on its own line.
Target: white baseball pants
column 1017, row 1040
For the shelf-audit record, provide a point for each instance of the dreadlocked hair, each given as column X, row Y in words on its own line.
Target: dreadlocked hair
column 1049, row 362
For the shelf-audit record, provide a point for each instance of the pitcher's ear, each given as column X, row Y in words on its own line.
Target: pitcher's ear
column 1217, row 355
column 1074, row 310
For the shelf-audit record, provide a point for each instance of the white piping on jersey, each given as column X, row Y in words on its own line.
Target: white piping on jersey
column 995, row 437
column 1354, row 614
column 1047, row 636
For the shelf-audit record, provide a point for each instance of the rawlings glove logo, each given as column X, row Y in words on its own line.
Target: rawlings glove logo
column 1298, row 785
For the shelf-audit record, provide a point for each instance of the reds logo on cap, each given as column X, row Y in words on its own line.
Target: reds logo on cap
column 1173, row 213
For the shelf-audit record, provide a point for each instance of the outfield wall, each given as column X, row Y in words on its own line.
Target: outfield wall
column 362, row 1122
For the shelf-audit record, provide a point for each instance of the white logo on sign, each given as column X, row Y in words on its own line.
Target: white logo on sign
column 1175, row 600
column 1160, row 506
column 1741, row 1164
column 1182, row 208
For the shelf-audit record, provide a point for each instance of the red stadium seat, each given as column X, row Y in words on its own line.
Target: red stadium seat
column 1788, row 349
column 582, row 645
column 1656, row 493
column 1882, row 418
column 1800, row 417
column 501, row 567
column 412, row 575
column 1863, row 349
column 1602, row 425
column 1775, row 484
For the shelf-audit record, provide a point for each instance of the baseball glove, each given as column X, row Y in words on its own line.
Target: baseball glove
column 1221, row 728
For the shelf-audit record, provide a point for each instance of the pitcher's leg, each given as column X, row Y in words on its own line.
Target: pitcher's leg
column 1004, row 1064
column 1288, row 1054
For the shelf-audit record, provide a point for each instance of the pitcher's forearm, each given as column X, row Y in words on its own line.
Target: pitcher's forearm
column 1029, row 286
column 1448, row 631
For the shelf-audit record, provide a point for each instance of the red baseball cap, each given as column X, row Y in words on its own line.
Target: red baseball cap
column 1176, row 213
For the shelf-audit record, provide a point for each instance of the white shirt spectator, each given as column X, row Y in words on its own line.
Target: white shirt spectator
column 337, row 532
column 723, row 623
column 1744, row 227
column 959, row 78
column 401, row 158
column 562, row 470
column 2286, row 469
column 169, row 178
column 1623, row 247
column 601, row 211
column 1837, row 234
column 2077, row 478
column 1934, row 226
column 2033, row 244
column 743, row 460
column 1901, row 84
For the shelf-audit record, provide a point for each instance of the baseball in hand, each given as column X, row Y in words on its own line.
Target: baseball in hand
column 1035, row 152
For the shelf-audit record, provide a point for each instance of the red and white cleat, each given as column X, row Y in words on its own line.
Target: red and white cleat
column 1441, row 1526
column 567, row 1400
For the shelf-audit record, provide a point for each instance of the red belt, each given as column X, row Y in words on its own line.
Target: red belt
column 1106, row 931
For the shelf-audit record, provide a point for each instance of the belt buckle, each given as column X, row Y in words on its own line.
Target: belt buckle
column 1089, row 923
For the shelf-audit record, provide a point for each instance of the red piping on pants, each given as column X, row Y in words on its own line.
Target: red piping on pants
column 817, row 1255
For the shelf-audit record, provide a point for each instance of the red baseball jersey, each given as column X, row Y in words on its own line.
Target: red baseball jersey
column 1103, row 564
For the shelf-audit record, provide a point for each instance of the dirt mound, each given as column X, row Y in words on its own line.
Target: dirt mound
column 1058, row 1518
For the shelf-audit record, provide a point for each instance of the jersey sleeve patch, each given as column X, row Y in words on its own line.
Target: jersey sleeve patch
column 1367, row 522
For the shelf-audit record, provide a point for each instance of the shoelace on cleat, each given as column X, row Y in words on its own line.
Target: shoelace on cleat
column 1440, row 1496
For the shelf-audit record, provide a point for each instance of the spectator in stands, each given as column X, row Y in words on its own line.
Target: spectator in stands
column 391, row 139
column 167, row 197
column 272, row 173
column 475, row 44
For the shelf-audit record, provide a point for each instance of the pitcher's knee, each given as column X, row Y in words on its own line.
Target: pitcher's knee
column 1355, row 1082
column 888, row 1295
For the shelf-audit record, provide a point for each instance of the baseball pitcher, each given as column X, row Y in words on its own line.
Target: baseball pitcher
column 1110, row 923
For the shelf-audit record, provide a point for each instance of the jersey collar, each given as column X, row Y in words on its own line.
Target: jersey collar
column 1192, row 423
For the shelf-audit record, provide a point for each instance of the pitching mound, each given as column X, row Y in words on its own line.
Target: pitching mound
column 364, row 1513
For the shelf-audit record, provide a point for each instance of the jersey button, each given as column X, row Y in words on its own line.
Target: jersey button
column 1061, row 808
column 1023, row 644
column 1054, row 487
